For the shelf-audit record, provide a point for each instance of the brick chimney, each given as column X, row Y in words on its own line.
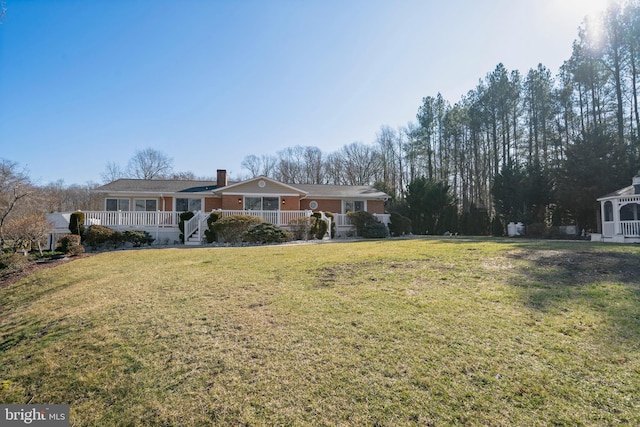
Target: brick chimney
column 221, row 179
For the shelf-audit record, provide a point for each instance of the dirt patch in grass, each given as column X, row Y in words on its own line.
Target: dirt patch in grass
column 9, row 277
column 580, row 267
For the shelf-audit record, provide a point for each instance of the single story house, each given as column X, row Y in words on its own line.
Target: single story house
column 155, row 205
column 620, row 214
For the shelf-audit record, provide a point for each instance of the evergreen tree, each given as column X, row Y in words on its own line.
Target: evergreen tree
column 431, row 206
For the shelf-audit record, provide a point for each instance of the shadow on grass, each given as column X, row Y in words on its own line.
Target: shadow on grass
column 552, row 278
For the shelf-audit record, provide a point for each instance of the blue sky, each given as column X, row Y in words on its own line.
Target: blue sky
column 83, row 83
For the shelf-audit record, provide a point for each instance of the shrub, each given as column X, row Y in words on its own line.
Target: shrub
column 266, row 233
column 70, row 245
column 76, row 223
column 399, row 225
column 375, row 230
column 210, row 234
column 301, row 228
column 99, row 235
column 232, row 229
column 360, row 219
column 318, row 226
column 137, row 238
column 13, row 262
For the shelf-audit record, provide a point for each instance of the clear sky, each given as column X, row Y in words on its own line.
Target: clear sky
column 208, row 82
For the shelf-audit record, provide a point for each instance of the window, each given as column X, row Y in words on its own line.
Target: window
column 192, row 205
column 353, row 206
column 261, row 203
column 608, row 211
column 117, row 204
column 270, row 203
column 628, row 212
column 146, row 205
column 252, row 203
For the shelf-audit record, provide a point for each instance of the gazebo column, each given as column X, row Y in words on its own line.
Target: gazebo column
column 616, row 216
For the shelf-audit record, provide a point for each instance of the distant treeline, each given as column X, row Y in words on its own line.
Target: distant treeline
column 538, row 148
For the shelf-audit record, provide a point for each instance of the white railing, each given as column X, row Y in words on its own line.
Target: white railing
column 131, row 218
column 630, row 228
column 192, row 225
column 279, row 218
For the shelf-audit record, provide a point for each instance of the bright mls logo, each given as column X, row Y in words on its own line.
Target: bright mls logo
column 34, row 415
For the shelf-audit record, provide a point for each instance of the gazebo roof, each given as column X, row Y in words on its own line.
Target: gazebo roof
column 632, row 190
column 626, row 191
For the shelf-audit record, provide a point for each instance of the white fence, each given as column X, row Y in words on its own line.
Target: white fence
column 132, row 219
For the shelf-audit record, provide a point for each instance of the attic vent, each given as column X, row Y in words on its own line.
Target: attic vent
column 261, row 184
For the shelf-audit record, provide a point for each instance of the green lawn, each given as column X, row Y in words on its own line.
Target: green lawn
column 388, row 333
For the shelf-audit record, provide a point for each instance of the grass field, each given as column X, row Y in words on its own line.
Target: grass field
column 377, row 333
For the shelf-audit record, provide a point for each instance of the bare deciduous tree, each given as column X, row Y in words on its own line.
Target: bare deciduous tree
column 58, row 197
column 253, row 164
column 149, row 164
column 361, row 163
column 301, row 165
column 260, row 166
column 112, row 172
column 25, row 231
column 15, row 187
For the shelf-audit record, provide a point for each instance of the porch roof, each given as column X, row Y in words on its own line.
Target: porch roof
column 342, row 191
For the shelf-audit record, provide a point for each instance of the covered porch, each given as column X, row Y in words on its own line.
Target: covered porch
column 169, row 219
column 164, row 225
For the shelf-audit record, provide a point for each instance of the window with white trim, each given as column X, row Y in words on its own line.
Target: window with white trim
column 188, row 205
column 608, row 211
column 117, row 205
column 261, row 203
column 353, row 206
column 146, row 205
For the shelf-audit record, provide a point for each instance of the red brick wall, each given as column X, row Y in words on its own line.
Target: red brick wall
column 167, row 202
column 230, row 203
column 211, row 203
column 290, row 203
column 375, row 206
column 334, row 206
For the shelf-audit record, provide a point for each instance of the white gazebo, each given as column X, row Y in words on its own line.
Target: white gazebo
column 620, row 213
